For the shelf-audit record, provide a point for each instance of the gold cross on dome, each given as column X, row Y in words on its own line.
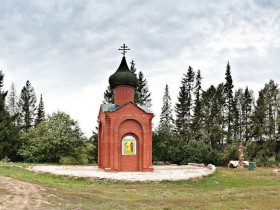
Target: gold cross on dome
column 124, row 48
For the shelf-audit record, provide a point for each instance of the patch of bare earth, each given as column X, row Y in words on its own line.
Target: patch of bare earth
column 15, row 194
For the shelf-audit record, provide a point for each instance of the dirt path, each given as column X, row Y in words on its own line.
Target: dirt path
column 20, row 195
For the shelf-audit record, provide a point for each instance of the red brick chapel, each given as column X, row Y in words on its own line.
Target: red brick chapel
column 125, row 128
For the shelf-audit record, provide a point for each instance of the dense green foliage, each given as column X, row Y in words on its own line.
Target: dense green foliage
column 26, row 135
column 211, row 123
column 8, row 130
column 57, row 137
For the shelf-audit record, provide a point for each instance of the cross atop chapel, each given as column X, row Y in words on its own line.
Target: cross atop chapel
column 124, row 48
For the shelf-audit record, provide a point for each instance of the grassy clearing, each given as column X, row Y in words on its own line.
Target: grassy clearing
column 227, row 189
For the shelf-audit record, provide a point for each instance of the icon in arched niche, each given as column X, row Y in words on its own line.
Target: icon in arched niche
column 129, row 145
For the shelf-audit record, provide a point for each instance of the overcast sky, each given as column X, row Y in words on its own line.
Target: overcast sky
column 68, row 49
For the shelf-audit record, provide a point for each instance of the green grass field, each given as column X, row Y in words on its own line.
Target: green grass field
column 227, row 189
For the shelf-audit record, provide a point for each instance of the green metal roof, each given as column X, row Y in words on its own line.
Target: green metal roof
column 114, row 107
column 145, row 109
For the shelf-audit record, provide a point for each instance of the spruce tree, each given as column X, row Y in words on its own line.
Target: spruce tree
column 237, row 126
column 272, row 101
column 133, row 70
column 166, row 117
column 184, row 106
column 228, row 90
column 220, row 98
column 132, row 67
column 211, row 109
column 181, row 110
column 4, row 119
column 144, row 95
column 12, row 102
column 259, row 118
column 247, row 105
column 109, row 95
column 27, row 105
column 40, row 112
column 12, row 105
column 265, row 121
column 163, row 137
column 196, row 126
column 189, row 88
column 9, row 143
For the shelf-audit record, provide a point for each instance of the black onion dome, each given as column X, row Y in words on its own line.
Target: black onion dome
column 123, row 76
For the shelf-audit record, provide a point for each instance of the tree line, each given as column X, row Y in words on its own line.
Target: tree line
column 18, row 114
column 210, row 124
column 205, row 125
column 26, row 134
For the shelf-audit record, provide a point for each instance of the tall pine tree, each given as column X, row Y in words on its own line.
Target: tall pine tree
column 272, row 94
column 247, row 106
column 40, row 112
column 27, row 105
column 12, row 102
column 166, row 117
column 259, row 118
column 196, row 126
column 184, row 106
column 212, row 116
column 144, row 95
column 163, row 137
column 12, row 105
column 228, row 90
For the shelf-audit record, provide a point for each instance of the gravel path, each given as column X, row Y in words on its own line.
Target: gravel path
column 160, row 173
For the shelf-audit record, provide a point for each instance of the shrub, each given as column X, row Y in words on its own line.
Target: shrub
column 82, row 160
column 230, row 153
column 195, row 152
column 57, row 137
column 6, row 160
column 215, row 157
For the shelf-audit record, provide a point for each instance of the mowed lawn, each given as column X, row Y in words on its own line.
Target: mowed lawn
column 227, row 189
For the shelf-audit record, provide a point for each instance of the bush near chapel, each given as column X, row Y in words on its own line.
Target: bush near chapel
column 58, row 138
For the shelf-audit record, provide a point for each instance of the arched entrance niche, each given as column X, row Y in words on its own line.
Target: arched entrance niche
column 131, row 145
column 129, row 160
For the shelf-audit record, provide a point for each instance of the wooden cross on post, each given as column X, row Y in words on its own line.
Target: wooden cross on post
column 124, row 49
